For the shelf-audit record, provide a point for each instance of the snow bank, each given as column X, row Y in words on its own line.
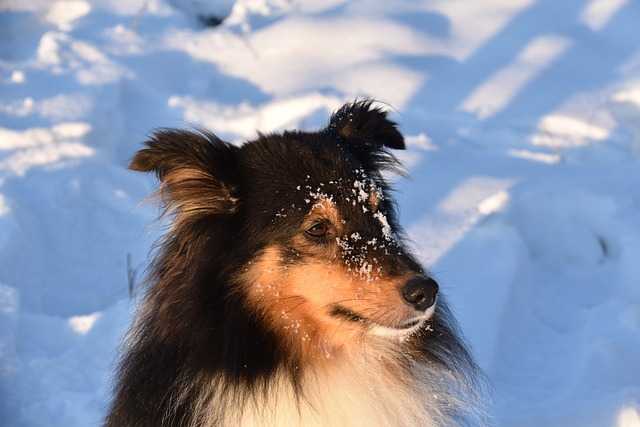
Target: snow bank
column 523, row 130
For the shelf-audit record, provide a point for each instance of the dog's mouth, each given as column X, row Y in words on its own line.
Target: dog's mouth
column 404, row 329
column 346, row 314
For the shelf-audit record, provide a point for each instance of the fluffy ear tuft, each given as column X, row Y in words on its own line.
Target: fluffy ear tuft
column 196, row 172
column 363, row 123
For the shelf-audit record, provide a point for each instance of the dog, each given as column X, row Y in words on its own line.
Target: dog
column 283, row 293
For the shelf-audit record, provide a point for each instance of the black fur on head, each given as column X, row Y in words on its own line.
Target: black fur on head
column 368, row 133
column 195, row 340
column 362, row 123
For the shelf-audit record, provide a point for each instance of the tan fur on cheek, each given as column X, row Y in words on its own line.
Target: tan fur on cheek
column 267, row 285
column 278, row 292
column 328, row 285
column 296, row 300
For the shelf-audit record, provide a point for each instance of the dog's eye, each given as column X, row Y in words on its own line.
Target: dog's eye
column 319, row 229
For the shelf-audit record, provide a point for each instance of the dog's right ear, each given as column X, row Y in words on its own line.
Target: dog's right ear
column 196, row 172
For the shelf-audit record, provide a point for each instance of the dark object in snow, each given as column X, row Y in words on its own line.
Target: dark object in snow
column 210, row 20
column 132, row 275
column 283, row 293
column 209, row 13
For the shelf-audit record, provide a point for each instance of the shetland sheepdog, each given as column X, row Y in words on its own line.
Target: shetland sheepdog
column 283, row 294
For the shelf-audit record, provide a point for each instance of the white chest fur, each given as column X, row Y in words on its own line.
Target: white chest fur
column 361, row 391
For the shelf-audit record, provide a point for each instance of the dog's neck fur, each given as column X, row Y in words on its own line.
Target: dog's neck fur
column 377, row 385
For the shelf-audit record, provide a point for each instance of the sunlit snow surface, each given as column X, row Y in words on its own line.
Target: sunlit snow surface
column 523, row 124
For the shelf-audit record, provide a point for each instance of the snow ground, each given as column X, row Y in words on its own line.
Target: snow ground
column 523, row 119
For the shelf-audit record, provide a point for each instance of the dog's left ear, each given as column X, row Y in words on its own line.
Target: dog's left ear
column 197, row 173
column 360, row 123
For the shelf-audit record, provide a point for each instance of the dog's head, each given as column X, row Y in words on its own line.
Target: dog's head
column 304, row 223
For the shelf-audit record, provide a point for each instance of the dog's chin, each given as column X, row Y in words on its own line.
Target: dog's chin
column 405, row 329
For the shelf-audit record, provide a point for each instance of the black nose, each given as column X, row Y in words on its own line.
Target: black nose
column 420, row 292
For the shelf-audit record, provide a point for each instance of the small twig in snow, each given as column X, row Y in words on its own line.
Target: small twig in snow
column 132, row 274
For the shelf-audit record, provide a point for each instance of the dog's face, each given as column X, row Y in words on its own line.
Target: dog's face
column 322, row 256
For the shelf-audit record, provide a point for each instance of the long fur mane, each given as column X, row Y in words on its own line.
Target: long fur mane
column 199, row 356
